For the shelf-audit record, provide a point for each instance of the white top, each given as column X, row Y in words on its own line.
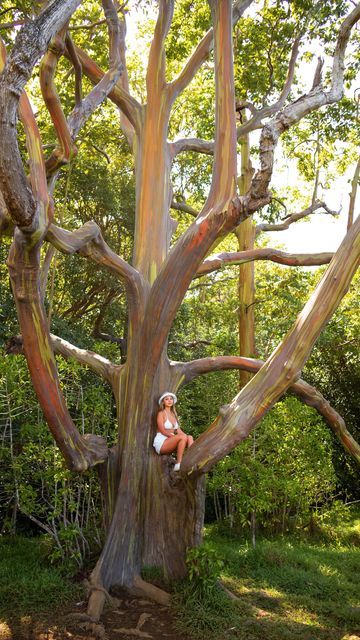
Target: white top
column 169, row 425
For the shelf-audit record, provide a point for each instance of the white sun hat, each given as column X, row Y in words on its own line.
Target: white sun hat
column 168, row 393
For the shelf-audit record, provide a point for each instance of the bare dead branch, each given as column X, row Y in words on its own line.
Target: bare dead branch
column 293, row 112
column 308, row 394
column 221, row 260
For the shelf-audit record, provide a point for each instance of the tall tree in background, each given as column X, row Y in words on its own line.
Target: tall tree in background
column 151, row 516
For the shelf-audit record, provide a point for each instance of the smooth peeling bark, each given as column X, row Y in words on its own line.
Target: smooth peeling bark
column 153, row 161
column 284, row 365
column 80, row 452
column 306, row 392
column 167, row 533
column 153, row 225
column 66, row 148
column 245, row 233
column 221, row 260
column 30, row 43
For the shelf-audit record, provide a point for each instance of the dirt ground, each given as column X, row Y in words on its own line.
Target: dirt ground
column 128, row 619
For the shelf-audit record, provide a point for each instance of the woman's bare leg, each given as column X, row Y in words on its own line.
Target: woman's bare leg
column 175, row 443
column 190, row 441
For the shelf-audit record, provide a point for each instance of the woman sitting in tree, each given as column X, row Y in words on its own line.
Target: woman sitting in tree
column 170, row 437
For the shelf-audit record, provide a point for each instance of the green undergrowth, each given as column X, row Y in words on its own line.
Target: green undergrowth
column 287, row 589
column 28, row 583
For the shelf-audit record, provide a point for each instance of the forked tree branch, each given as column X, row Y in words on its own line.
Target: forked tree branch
column 31, row 41
column 294, row 217
column 221, row 260
column 283, row 367
column 155, row 76
column 88, row 242
column 131, row 108
column 294, row 112
column 309, row 394
column 207, row 146
column 67, row 130
column 218, row 215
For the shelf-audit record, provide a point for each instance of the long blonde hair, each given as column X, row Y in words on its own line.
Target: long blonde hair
column 172, row 408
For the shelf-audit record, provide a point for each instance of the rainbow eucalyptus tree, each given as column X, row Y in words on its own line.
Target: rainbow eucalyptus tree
column 152, row 515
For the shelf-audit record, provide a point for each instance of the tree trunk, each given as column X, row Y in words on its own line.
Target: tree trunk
column 245, row 233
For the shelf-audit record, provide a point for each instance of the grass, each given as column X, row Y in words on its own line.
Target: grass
column 287, row 590
column 28, row 584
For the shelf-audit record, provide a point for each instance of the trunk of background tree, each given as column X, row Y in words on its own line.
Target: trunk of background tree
column 245, row 233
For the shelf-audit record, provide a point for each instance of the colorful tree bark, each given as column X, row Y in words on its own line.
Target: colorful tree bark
column 151, row 516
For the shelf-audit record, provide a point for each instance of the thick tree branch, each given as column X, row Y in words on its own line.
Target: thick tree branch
column 221, row 260
column 30, row 43
column 36, row 164
column 98, row 364
column 354, row 187
column 310, row 396
column 68, row 130
column 88, row 241
column 155, row 76
column 6, row 224
column 294, row 217
column 66, row 148
column 80, row 452
column 77, row 69
column 283, row 366
column 123, row 81
column 131, row 108
column 202, row 51
column 218, row 215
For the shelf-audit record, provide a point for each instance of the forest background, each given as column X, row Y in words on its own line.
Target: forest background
column 291, row 474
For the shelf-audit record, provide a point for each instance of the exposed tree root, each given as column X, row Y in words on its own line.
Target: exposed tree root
column 229, row 593
column 142, row 588
column 137, row 631
column 98, row 597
